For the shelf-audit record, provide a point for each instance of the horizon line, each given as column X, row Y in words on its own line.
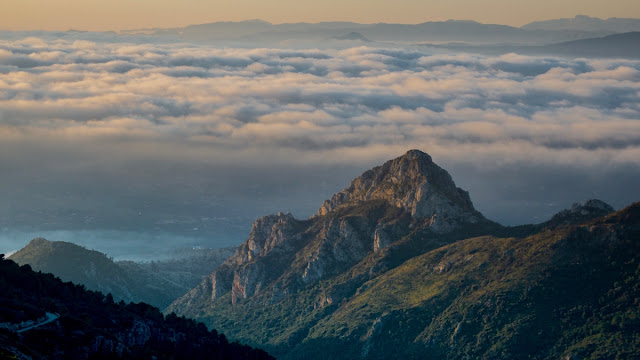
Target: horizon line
column 315, row 23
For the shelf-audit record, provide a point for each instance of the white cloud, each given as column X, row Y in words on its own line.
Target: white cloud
column 312, row 100
column 114, row 103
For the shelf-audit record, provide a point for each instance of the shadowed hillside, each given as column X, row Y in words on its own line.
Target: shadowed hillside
column 43, row 318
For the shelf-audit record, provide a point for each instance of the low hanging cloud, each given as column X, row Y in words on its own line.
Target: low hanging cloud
column 309, row 101
column 71, row 105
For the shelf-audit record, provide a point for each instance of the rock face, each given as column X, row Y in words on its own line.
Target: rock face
column 415, row 183
column 282, row 255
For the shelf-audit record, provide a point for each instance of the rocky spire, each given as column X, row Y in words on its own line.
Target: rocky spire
column 413, row 182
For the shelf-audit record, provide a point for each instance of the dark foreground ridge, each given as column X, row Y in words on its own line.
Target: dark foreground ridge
column 400, row 264
column 43, row 318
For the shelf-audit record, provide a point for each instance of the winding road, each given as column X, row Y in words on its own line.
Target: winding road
column 50, row 318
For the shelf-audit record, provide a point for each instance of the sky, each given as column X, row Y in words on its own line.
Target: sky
column 104, row 15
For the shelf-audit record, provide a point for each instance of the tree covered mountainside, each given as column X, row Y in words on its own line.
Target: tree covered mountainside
column 90, row 325
column 157, row 283
column 400, row 264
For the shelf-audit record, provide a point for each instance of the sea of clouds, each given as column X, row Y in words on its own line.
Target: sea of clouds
column 322, row 105
column 498, row 123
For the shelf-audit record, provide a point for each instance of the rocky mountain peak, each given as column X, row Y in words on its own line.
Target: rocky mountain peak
column 39, row 242
column 591, row 209
column 593, row 204
column 409, row 194
column 415, row 183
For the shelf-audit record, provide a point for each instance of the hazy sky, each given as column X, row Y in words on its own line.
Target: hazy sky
column 130, row 14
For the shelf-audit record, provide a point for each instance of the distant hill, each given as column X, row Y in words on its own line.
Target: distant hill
column 352, row 36
column 401, row 265
column 156, row 283
column 42, row 317
column 588, row 24
column 626, row 45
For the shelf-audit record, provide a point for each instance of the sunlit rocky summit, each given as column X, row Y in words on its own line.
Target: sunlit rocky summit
column 401, row 264
column 416, row 184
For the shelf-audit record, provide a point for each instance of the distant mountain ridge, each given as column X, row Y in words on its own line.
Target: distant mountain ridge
column 624, row 45
column 378, row 272
column 450, row 30
column 586, row 23
column 352, row 36
column 617, row 45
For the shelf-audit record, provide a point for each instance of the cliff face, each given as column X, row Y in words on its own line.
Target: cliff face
column 282, row 255
column 416, row 184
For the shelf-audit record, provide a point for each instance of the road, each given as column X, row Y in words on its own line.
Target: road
column 50, row 318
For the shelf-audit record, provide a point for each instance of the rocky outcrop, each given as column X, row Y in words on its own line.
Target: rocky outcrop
column 338, row 244
column 243, row 274
column 268, row 233
column 591, row 209
column 415, row 183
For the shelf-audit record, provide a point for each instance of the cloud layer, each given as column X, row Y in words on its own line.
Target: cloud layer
column 130, row 109
column 351, row 102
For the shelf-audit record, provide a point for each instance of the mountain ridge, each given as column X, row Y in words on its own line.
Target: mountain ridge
column 450, row 30
column 620, row 45
column 586, row 23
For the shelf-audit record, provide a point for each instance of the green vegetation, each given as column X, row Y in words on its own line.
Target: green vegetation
column 157, row 283
column 401, row 265
column 564, row 291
